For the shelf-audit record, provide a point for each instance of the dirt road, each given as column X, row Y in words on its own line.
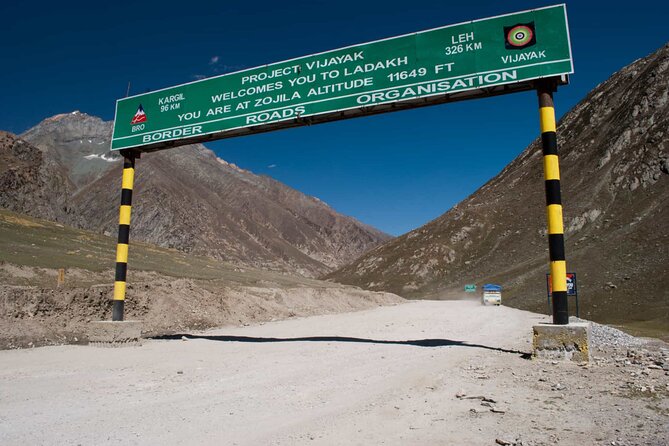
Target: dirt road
column 395, row 375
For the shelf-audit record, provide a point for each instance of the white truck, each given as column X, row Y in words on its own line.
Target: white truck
column 492, row 294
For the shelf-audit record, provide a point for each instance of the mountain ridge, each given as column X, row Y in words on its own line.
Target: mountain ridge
column 614, row 162
column 190, row 199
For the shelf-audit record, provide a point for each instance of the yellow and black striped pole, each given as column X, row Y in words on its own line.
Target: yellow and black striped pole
column 123, row 235
column 558, row 265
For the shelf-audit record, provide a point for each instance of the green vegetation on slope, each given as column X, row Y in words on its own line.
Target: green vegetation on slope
column 36, row 243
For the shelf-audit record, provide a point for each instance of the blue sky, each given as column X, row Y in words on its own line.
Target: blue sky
column 394, row 171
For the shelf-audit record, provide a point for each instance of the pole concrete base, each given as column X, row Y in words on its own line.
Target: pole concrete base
column 115, row 333
column 562, row 342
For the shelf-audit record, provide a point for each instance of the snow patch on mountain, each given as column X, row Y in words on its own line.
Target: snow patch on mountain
column 102, row 156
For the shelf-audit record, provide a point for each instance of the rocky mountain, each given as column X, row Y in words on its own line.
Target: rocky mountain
column 185, row 198
column 614, row 148
column 31, row 183
column 79, row 143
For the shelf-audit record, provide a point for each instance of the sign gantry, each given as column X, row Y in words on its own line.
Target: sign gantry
column 467, row 60
column 508, row 53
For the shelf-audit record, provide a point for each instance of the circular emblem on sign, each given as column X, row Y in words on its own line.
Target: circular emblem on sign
column 519, row 35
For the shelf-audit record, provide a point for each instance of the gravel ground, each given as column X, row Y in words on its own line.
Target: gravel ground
column 603, row 336
column 420, row 373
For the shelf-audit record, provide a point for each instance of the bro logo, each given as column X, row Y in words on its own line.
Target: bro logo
column 519, row 36
column 140, row 116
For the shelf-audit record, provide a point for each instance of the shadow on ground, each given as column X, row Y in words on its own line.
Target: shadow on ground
column 414, row 342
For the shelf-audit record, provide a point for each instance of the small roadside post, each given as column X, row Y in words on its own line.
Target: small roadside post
column 61, row 277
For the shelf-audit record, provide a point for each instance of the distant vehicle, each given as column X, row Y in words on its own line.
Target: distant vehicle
column 492, row 294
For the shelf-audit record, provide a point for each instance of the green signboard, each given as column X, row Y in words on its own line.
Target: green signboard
column 482, row 57
column 470, row 288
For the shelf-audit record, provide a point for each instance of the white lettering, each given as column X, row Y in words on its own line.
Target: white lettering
column 188, row 116
column 170, row 99
column 336, row 60
column 444, row 66
column 524, row 57
column 286, row 113
column 278, row 72
column 250, row 91
column 432, row 88
column 172, row 134
column 461, row 38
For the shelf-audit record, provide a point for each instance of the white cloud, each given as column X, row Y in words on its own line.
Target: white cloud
column 271, row 166
column 214, row 60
